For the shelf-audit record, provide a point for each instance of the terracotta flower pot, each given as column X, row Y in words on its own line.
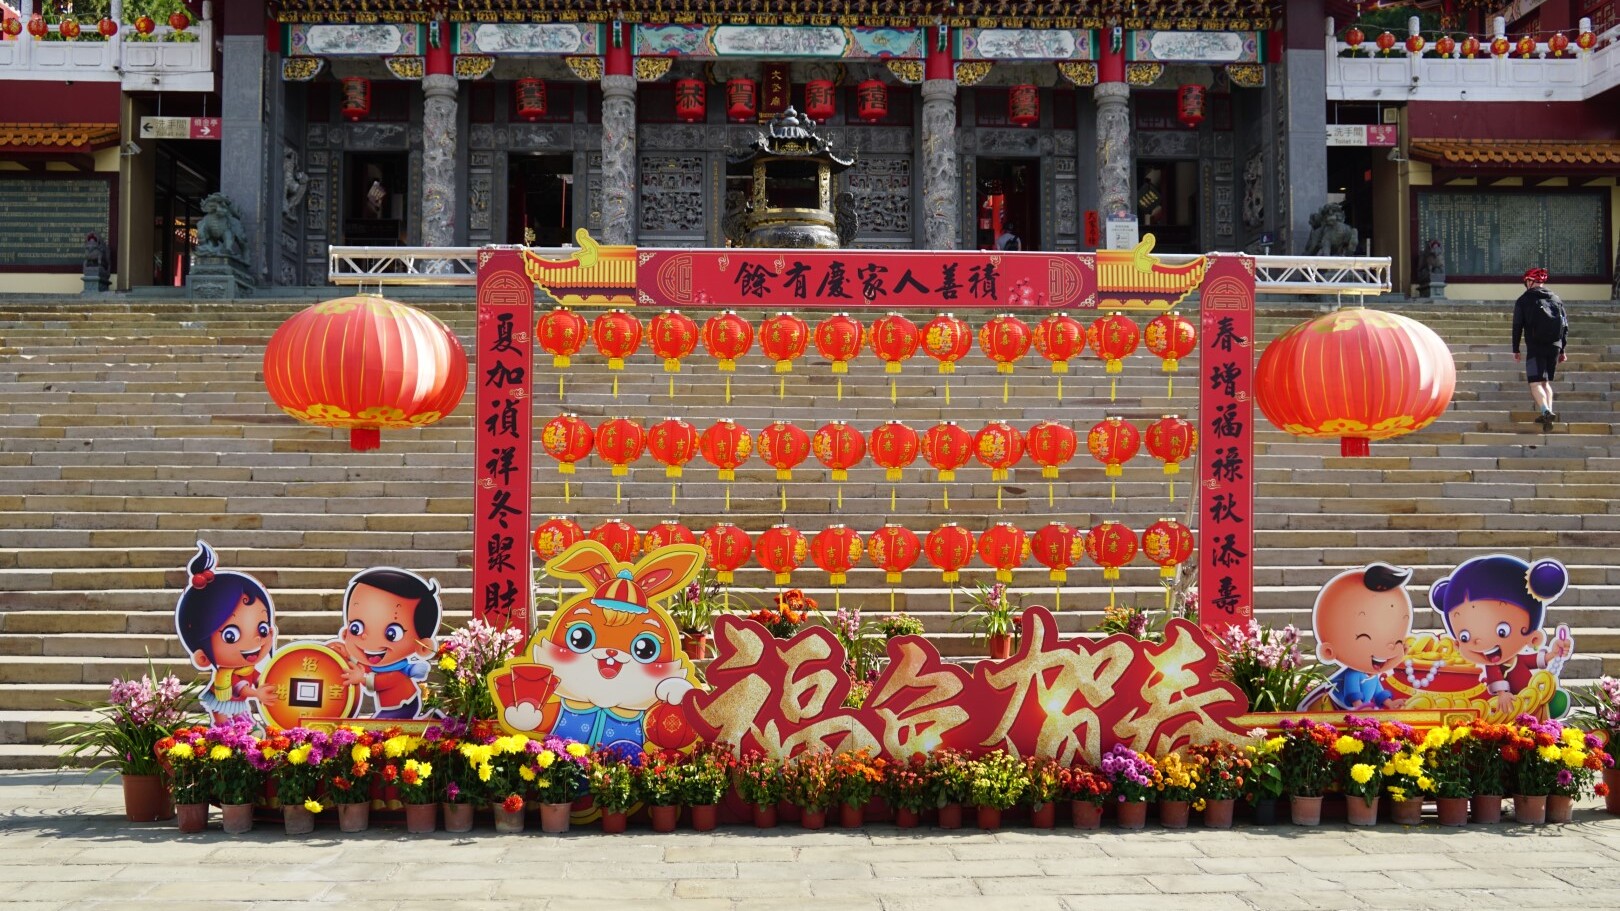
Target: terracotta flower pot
column 989, row 818
column 1173, row 814
column 765, row 816
column 458, row 817
column 297, row 820
column 705, row 817
column 146, row 799
column 813, row 819
column 1361, row 811
column 1453, row 811
column 1000, row 645
column 236, row 818
column 1487, row 808
column 1043, row 816
column 696, row 647
column 1406, row 812
column 354, row 817
column 1218, row 813
column 421, row 818
column 1305, row 811
column 664, row 818
column 1132, row 814
column 1611, row 800
column 612, row 823
column 906, row 818
column 851, row 817
column 1530, row 809
column 950, row 816
column 1560, row 808
column 507, row 822
column 1264, row 811
column 554, row 818
column 191, row 817
column 1085, row 814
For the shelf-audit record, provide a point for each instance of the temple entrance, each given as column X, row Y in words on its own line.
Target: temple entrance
column 540, row 200
column 1009, row 204
column 187, row 170
column 374, row 194
column 1167, row 204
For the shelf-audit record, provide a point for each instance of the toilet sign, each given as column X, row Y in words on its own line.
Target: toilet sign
column 180, row 128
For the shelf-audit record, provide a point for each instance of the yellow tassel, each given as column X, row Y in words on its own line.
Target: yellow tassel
column 1113, row 491
column 728, row 388
column 838, row 599
column 1169, row 387
column 1004, row 391
column 781, row 388
column 840, row 497
column 840, row 389
column 672, row 494
column 672, row 387
column 1060, row 388
column 1113, row 388
column 998, row 496
column 559, row 387
column 947, row 392
column 567, row 494
column 953, row 599
column 784, row 498
column 618, row 492
column 1048, row 494
column 615, row 385
column 1057, row 600
column 728, row 497
column 1167, row 600
column 894, row 394
column 946, row 497
column 1110, row 596
column 1172, row 491
column 891, row 600
column 891, row 498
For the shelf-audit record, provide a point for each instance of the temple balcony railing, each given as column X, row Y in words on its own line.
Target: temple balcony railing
column 1576, row 75
column 166, row 60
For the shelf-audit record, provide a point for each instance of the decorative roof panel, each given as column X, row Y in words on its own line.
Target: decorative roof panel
column 66, row 137
column 1602, row 154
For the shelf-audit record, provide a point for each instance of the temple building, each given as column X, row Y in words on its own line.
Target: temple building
column 970, row 124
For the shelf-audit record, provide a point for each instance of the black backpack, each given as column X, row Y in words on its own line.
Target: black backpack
column 1545, row 322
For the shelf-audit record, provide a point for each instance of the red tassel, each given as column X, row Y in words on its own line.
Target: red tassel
column 1354, row 447
column 364, row 438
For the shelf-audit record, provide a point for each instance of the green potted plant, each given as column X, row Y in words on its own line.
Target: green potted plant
column 557, row 777
column 1265, row 785
column 1044, row 783
column 460, row 688
column 610, row 779
column 418, row 790
column 992, row 618
column 1224, row 773
column 300, row 773
column 996, row 781
column 810, row 783
column 908, row 788
column 893, row 626
column 1446, row 754
column 1308, row 765
column 659, row 786
column 760, row 784
column 705, row 778
column 1135, row 780
column 949, row 772
column 124, row 734
column 1582, row 756
column 695, row 609
column 1267, row 666
column 184, row 754
column 858, row 778
column 237, row 763
column 1086, row 790
column 1600, row 713
column 1178, row 782
column 349, row 770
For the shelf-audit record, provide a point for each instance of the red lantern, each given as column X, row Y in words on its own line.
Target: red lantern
column 1059, row 338
column 783, row 338
column 836, row 549
column 781, row 550
column 672, row 442
column 894, row 341
column 728, row 548
column 531, row 98
column 838, row 339
column 1385, row 42
column 742, row 100
column 1051, row 446
column 1113, row 338
column 1005, row 339
column 617, row 335
column 691, row 100
column 365, row 364
column 672, row 335
column 1354, row 37
column 1558, row 43
column 1500, row 46
column 1525, row 47
column 356, row 97
column 949, row 547
column 68, row 28
column 872, row 100
column 947, row 339
column 1445, row 46
column 666, row 533
column 819, row 101
column 179, row 21
column 839, row 447
column 727, row 336
column 1113, row 442
column 620, row 441
column 999, row 446
column 1172, row 441
column 782, row 446
column 562, row 334
column 725, row 445
column 1470, row 47
column 107, row 27
column 567, row 439
column 1356, row 374
column 1057, row 547
column 556, row 535
column 619, row 537
column 1190, row 105
column 145, row 25
column 1111, row 545
column 1169, row 544
column 10, row 26
column 1586, row 41
column 894, row 447
column 1024, row 105
column 1170, row 337
column 1414, row 44
column 1004, row 547
column 37, row 26
column 947, row 447
column 893, row 549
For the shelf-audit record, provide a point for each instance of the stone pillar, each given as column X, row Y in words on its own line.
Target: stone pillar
column 1303, row 178
column 940, row 171
column 242, row 135
column 439, row 90
column 618, row 143
column 1113, row 136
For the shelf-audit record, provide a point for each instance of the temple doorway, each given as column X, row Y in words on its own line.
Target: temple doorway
column 540, row 201
column 1009, row 207
column 376, row 187
column 1167, row 204
column 186, row 171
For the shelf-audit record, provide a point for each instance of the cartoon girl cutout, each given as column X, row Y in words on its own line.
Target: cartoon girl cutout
column 227, row 623
column 1494, row 608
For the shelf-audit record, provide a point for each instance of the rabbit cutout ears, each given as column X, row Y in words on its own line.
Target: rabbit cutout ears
column 621, row 587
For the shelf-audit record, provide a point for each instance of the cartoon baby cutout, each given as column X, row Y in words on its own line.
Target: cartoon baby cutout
column 226, row 622
column 1362, row 619
column 390, row 618
column 610, row 655
column 1494, row 608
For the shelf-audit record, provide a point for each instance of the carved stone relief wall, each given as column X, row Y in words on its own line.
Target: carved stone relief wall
column 673, row 196
column 883, row 190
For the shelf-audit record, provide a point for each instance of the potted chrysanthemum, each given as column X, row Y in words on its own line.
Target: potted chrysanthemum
column 299, row 773
column 1135, row 781
column 556, row 775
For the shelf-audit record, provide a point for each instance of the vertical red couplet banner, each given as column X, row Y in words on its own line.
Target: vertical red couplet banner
column 503, row 377
column 1226, row 444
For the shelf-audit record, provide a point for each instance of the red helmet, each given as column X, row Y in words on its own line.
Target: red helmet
column 1536, row 274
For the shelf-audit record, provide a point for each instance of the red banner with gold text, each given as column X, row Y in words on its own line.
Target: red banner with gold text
column 504, row 416
column 1226, row 462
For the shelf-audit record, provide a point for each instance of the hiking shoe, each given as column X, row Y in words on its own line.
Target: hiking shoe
column 1550, row 415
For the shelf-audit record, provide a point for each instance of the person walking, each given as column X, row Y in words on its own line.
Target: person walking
column 1538, row 316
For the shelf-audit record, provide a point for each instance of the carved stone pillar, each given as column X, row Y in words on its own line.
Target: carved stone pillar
column 940, row 170
column 438, row 161
column 1114, row 150
column 618, row 159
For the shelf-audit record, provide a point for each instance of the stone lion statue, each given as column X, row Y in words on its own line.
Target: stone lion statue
column 1330, row 236
column 219, row 231
column 846, row 218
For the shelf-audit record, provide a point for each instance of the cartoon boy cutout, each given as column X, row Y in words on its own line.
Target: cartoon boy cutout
column 1362, row 619
column 1494, row 608
column 390, row 617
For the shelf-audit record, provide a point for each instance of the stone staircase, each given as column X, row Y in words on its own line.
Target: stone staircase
column 130, row 429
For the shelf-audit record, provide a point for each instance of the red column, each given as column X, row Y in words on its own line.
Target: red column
column 439, row 54
column 1111, row 59
column 940, row 63
column 618, row 59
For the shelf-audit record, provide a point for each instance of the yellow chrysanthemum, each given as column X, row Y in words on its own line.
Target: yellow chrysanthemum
column 220, row 752
column 546, row 758
column 1388, row 769
column 526, row 773
column 1574, row 758
column 1436, row 738
column 312, row 805
column 395, row 747
column 298, row 755
column 1347, row 745
column 182, row 751
column 1408, row 764
column 1549, row 753
column 1574, row 737
column 1399, row 793
column 1461, row 733
column 484, row 771
column 447, row 663
column 1275, row 743
column 360, row 753
column 577, row 750
column 1361, row 773
column 1426, row 783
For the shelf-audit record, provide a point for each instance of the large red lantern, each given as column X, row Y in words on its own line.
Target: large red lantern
column 554, row 536
column 568, row 439
column 819, row 101
column 947, row 339
column 893, row 549
column 617, row 335
column 1005, row 339
column 1586, row 41
column 1525, row 47
column 68, row 28
column 894, row 447
column 691, row 100
column 1415, row 44
column 1169, row 544
column 620, row 441
column 998, row 446
column 672, row 442
column 872, row 100
column 1111, row 545
column 1500, row 46
column 1060, row 338
column 839, row 447
column 1445, row 46
column 1190, row 105
column 836, row 549
column 725, row 445
column 894, row 341
column 365, row 364
column 784, row 338
column 1170, row 337
column 1004, row 547
column 949, row 547
column 1113, row 442
column 356, row 97
column 728, row 548
column 742, row 99
column 783, row 445
column 1385, row 42
column 1051, row 446
column 562, row 333
column 838, row 339
column 531, row 98
column 672, row 335
column 782, row 549
column 947, row 447
column 1172, row 441
column 727, row 336
column 1113, row 338
column 1024, row 105
column 619, row 537
column 1359, row 375
column 1057, row 547
column 665, row 533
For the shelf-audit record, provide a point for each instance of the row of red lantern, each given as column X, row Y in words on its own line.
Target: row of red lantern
column 837, row 549
column 70, row 29
column 840, row 338
column 1557, row 44
column 893, row 446
column 871, row 101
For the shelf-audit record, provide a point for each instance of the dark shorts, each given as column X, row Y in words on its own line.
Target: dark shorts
column 1540, row 364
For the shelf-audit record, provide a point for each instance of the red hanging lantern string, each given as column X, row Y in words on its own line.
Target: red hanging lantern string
column 672, row 335
column 673, row 442
column 894, row 447
column 839, row 447
column 947, row 447
column 725, row 445
column 838, row 339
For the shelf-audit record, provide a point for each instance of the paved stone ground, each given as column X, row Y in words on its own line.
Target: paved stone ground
column 64, row 844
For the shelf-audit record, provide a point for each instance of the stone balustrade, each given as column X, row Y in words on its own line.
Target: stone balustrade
column 167, row 60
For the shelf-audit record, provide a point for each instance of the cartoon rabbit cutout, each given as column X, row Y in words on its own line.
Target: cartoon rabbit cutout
column 609, row 656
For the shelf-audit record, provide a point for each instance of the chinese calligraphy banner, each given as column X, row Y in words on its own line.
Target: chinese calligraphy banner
column 503, row 417
column 1226, row 469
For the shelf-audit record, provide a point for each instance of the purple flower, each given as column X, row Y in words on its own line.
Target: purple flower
column 451, row 792
column 1564, row 778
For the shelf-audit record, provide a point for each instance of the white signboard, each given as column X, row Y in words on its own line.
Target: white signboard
column 1122, row 234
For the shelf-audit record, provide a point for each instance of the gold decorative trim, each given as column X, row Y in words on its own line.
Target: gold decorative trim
column 406, row 67
column 908, row 71
column 1246, row 75
column 972, row 72
column 1143, row 75
column 473, row 66
column 1078, row 72
column 301, row 69
column 586, row 68
column 652, row 69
